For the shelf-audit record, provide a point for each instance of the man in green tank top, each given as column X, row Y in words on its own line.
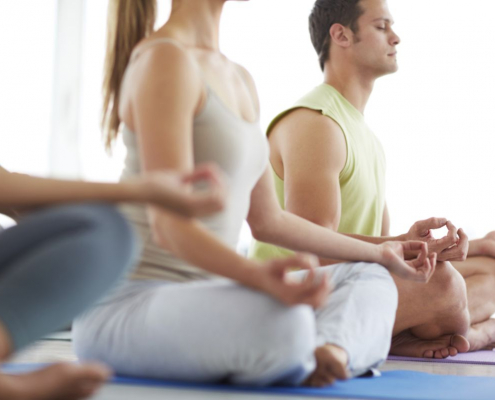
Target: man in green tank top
column 330, row 168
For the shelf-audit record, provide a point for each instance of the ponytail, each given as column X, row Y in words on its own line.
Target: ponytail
column 129, row 21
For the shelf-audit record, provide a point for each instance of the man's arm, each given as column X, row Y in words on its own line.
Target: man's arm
column 308, row 151
column 311, row 152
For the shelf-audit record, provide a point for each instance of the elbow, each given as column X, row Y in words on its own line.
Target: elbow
column 261, row 229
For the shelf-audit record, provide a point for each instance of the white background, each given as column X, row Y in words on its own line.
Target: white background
column 434, row 117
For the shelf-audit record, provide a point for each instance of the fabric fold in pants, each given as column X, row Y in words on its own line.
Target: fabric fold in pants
column 212, row 331
column 57, row 262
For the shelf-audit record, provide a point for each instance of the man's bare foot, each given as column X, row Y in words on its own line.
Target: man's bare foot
column 406, row 344
column 57, row 382
column 482, row 336
column 331, row 364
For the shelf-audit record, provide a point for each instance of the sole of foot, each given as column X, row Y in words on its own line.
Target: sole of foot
column 57, row 382
column 331, row 364
column 407, row 345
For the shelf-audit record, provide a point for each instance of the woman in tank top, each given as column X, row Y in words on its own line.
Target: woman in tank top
column 61, row 257
column 180, row 102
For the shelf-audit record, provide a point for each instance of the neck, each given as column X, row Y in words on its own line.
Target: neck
column 352, row 83
column 196, row 23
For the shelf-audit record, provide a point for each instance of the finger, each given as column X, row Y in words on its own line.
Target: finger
column 452, row 231
column 415, row 247
column 449, row 240
column 423, row 270
column 205, row 172
column 430, row 223
column 317, row 294
column 458, row 252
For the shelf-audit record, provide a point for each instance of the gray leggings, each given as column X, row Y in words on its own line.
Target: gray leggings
column 56, row 263
column 210, row 331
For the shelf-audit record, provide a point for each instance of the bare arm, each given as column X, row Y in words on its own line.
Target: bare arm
column 312, row 186
column 311, row 152
column 23, row 193
column 159, row 106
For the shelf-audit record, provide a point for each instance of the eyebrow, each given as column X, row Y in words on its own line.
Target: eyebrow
column 388, row 20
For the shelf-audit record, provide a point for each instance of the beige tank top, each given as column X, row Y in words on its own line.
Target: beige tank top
column 239, row 148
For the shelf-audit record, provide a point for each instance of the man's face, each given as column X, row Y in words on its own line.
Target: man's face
column 374, row 46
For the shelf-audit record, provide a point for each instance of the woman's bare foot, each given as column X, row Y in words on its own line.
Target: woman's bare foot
column 406, row 344
column 331, row 364
column 482, row 336
column 57, row 382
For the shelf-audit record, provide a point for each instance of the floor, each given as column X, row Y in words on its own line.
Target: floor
column 55, row 350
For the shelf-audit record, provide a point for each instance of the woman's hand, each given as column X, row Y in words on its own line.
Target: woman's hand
column 174, row 190
column 419, row 269
column 272, row 278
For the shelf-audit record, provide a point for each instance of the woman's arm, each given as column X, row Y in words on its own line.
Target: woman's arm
column 269, row 223
column 22, row 193
column 160, row 106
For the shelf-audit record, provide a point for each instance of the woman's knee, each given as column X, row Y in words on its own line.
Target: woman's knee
column 284, row 349
column 111, row 234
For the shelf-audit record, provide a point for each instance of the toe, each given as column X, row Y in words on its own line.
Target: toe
column 428, row 354
column 452, row 351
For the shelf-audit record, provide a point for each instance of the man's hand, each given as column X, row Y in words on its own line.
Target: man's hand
column 453, row 247
column 419, row 269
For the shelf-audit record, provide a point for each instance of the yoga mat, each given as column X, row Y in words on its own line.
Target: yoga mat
column 485, row 357
column 392, row 385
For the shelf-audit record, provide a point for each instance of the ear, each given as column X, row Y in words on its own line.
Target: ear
column 340, row 35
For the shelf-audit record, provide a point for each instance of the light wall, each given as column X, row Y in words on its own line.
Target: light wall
column 434, row 116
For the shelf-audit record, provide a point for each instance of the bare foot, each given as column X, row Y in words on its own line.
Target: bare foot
column 482, row 336
column 331, row 364
column 57, row 382
column 407, row 345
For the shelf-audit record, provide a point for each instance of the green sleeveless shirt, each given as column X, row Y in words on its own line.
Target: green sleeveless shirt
column 362, row 180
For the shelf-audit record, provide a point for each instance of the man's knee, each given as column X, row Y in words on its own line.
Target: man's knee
column 452, row 305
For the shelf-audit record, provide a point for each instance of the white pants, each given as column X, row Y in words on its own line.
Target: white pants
column 210, row 331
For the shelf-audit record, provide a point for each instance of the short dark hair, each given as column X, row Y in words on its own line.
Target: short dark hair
column 325, row 13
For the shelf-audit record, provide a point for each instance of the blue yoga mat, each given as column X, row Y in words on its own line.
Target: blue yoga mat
column 392, row 385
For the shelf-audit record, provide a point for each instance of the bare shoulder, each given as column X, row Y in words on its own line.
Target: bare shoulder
column 304, row 123
column 306, row 138
column 164, row 61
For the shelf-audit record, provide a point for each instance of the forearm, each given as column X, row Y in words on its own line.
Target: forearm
column 298, row 234
column 20, row 192
column 368, row 239
column 206, row 251
column 376, row 239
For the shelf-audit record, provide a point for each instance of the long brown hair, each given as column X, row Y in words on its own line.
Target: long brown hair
column 129, row 21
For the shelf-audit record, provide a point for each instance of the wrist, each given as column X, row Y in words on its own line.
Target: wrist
column 401, row 238
column 137, row 191
column 249, row 274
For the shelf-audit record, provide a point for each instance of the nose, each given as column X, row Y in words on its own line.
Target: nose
column 394, row 39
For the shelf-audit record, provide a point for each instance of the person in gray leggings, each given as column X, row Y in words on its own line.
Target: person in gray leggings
column 61, row 259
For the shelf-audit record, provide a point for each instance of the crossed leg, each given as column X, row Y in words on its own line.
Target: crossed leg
column 479, row 273
column 54, row 264
column 432, row 319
